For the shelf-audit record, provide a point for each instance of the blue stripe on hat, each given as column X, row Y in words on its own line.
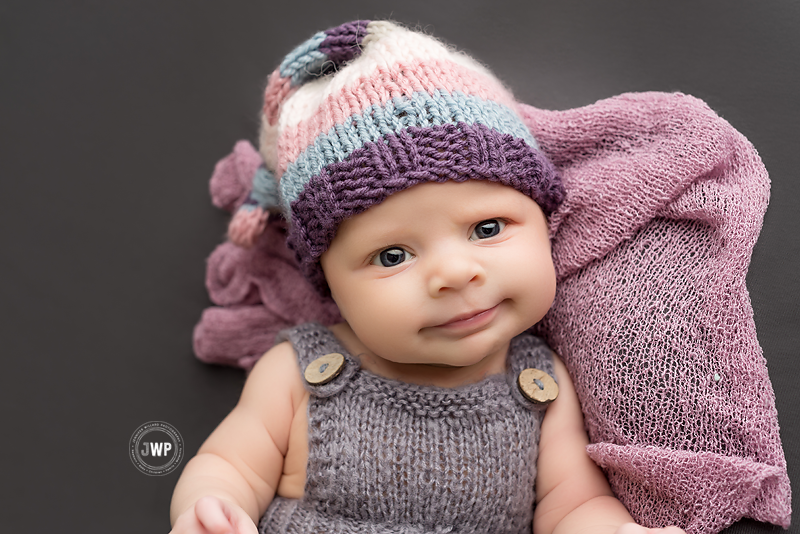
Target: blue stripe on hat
column 305, row 61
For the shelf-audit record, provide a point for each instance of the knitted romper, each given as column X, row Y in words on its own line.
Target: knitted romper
column 389, row 457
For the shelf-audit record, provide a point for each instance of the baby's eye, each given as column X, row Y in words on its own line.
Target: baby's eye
column 486, row 229
column 391, row 257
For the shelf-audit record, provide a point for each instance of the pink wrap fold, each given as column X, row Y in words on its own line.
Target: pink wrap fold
column 652, row 317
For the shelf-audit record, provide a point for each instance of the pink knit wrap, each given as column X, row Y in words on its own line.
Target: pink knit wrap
column 664, row 204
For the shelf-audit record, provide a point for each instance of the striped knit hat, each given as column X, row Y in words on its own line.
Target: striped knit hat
column 369, row 108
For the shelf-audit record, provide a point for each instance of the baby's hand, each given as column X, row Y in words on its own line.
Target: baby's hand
column 633, row 528
column 211, row 515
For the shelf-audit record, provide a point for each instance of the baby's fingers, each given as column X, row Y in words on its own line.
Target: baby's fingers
column 220, row 517
column 210, row 513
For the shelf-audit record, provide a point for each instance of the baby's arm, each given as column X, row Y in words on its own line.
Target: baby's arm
column 572, row 493
column 236, row 472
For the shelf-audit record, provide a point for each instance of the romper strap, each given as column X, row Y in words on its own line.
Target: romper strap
column 527, row 354
column 325, row 364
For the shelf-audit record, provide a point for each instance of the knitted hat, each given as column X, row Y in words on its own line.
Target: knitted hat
column 366, row 109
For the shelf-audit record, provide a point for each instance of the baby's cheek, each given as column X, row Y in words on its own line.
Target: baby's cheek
column 521, row 265
column 375, row 315
column 531, row 284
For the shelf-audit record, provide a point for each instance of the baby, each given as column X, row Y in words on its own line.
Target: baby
column 418, row 199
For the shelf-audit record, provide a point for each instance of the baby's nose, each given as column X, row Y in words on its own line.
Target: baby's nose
column 453, row 273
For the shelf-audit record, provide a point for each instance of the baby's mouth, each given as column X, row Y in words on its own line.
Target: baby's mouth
column 469, row 319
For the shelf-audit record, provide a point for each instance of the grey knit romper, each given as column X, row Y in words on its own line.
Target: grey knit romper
column 389, row 457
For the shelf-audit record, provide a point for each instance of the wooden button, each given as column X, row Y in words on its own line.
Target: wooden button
column 537, row 386
column 324, row 369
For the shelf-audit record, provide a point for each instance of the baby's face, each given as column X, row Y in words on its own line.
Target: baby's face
column 443, row 273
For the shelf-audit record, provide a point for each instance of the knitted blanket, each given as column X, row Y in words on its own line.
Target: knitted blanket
column 664, row 204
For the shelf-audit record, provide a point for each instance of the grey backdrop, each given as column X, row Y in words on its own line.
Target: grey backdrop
column 112, row 115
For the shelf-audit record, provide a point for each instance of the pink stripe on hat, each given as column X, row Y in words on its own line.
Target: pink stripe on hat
column 278, row 89
column 380, row 87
